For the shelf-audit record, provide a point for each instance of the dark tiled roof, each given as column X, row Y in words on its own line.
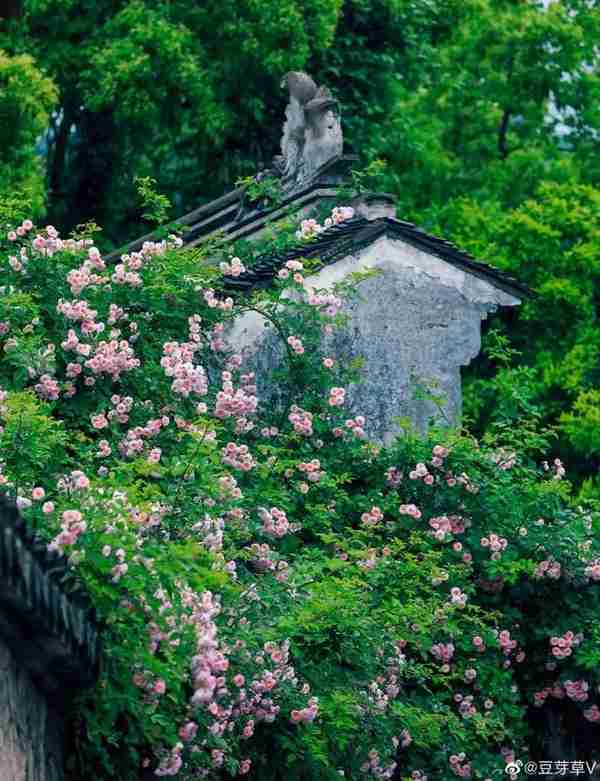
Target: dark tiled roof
column 353, row 235
column 237, row 218
column 44, row 617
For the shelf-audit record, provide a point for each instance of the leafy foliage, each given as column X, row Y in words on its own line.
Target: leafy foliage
column 27, row 97
column 280, row 597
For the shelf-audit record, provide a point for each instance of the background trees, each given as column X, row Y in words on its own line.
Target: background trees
column 190, row 93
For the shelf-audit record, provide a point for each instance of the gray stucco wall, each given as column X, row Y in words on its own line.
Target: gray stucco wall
column 30, row 730
column 418, row 321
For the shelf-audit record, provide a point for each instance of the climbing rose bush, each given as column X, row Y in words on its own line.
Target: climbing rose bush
column 279, row 597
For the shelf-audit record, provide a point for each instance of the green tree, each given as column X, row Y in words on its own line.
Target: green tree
column 510, row 100
column 190, row 93
column 27, row 98
column 552, row 243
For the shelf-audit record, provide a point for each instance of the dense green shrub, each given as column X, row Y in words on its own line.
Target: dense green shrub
column 279, row 596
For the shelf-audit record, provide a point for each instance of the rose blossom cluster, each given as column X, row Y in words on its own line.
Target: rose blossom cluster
column 122, row 406
column 458, row 597
column 250, row 700
column 50, row 243
column 178, row 362
column 373, row 766
column 21, row 231
column 592, row 714
column 356, row 426
column 438, row 454
column 592, row 570
column 470, row 674
column 506, row 643
column 79, row 311
column 465, row 705
column 234, row 268
column 215, row 303
column 132, row 443
column 235, row 403
column 75, row 481
column 112, row 358
column 459, row 767
column 209, row 662
column 505, row 459
column 577, row 690
column 170, row 763
column 410, row 509
column 443, row 652
column 561, row 647
column 154, row 688
column 127, row 271
column 420, row 472
column 549, row 568
column 496, row 545
column 307, row 714
column 275, row 522
column 296, row 344
column 446, row 524
column 557, row 468
column 269, row 431
column 339, row 214
column 372, row 517
column 71, row 527
column 310, row 228
column 238, row 457
column 47, row 388
column 301, row 420
column 228, row 487
column 328, row 303
column 294, row 267
column 386, row 687
column 393, row 476
column 121, row 567
column 312, row 470
column 478, row 643
column 262, row 560
column 85, row 275
column 337, row 396
column 212, row 531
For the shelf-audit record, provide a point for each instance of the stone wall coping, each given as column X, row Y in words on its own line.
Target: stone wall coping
column 45, row 617
column 348, row 237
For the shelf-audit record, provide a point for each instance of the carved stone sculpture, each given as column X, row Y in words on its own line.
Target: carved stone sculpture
column 312, row 133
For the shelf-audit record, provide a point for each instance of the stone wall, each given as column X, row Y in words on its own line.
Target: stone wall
column 415, row 323
column 49, row 650
column 31, row 745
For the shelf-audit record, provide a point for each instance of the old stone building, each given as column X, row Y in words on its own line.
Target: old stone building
column 416, row 323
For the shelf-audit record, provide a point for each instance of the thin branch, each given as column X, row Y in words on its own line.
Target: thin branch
column 502, row 131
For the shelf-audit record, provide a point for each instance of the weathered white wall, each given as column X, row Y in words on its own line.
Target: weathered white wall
column 419, row 317
column 30, row 731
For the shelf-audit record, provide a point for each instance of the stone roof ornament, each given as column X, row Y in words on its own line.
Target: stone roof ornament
column 312, row 133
